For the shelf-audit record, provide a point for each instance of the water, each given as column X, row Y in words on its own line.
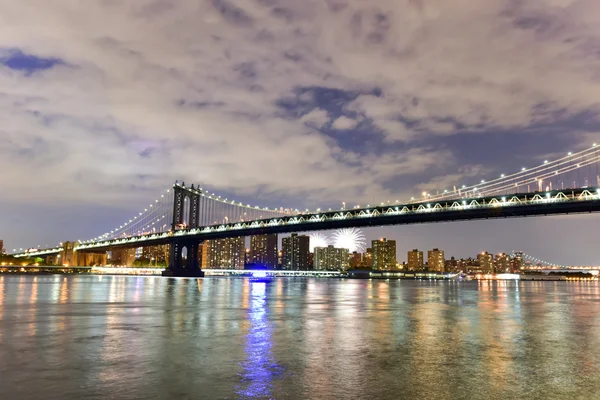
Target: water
column 90, row 337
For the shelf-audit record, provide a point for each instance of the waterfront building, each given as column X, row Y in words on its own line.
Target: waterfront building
column 384, row 254
column 296, row 252
column 367, row 259
column 263, row 250
column 415, row 260
column 436, row 260
column 502, row 263
column 486, row 262
column 118, row 256
column 157, row 254
column 226, row 253
column 451, row 265
column 2, row 251
column 330, row 258
column 516, row 262
column 355, row 260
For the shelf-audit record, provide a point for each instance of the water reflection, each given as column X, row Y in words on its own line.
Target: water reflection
column 132, row 337
column 259, row 367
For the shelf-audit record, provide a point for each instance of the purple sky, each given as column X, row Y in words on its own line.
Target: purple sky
column 305, row 104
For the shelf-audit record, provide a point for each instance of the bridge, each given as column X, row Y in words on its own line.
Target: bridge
column 186, row 215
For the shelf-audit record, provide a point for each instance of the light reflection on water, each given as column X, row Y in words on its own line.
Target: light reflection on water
column 149, row 337
column 259, row 367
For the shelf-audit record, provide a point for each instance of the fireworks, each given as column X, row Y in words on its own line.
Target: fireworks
column 349, row 238
column 318, row 240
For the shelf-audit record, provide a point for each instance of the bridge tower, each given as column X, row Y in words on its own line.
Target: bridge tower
column 186, row 215
column 186, row 207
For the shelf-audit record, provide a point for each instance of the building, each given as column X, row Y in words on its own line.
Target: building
column 263, row 251
column 486, row 262
column 516, row 262
column 452, row 265
column 436, row 260
column 367, row 259
column 384, row 254
column 296, row 252
column 330, row 258
column 502, row 263
column 226, row 253
column 356, row 260
column 2, row 251
column 118, row 256
column 157, row 255
column 415, row 260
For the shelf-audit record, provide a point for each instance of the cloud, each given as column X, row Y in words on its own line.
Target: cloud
column 243, row 96
column 344, row 123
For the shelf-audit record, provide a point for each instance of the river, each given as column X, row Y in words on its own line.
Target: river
column 103, row 337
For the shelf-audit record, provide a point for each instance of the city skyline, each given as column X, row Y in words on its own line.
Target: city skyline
column 292, row 105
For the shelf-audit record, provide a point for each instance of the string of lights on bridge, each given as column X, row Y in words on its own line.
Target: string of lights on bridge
column 536, row 260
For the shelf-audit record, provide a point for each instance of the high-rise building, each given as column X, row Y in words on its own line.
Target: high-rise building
column 501, row 263
column 356, row 260
column 226, row 253
column 384, row 254
column 2, row 251
column 263, row 250
column 330, row 258
column 486, row 262
column 367, row 258
column 296, row 252
column 516, row 262
column 452, row 265
column 156, row 254
column 415, row 260
column 436, row 260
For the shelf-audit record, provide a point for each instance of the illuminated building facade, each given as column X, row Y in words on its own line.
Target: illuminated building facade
column 296, row 252
column 502, row 263
column 330, row 258
column 415, row 260
column 486, row 262
column 156, row 254
column 367, row 259
column 516, row 262
column 356, row 260
column 384, row 254
column 436, row 261
column 226, row 253
column 263, row 251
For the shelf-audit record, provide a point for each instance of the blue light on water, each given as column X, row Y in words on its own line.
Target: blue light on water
column 259, row 367
column 259, row 274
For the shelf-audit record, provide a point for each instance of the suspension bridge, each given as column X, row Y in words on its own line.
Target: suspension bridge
column 186, row 215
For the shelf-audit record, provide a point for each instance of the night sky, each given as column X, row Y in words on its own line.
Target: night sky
column 302, row 104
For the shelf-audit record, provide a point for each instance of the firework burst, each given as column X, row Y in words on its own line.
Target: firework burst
column 349, row 238
column 317, row 239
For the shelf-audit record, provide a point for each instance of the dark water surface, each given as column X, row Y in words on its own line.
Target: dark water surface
column 91, row 337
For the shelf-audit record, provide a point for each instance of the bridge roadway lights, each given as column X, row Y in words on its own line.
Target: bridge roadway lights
column 180, row 266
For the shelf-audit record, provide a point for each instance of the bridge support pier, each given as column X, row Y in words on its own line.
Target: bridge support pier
column 184, row 259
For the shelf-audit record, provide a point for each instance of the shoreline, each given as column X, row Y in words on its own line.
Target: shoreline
column 353, row 275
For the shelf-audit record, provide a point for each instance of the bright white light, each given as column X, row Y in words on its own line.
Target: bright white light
column 569, row 153
column 317, row 239
column 545, row 161
column 523, row 169
column 352, row 239
column 502, row 176
column 508, row 276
